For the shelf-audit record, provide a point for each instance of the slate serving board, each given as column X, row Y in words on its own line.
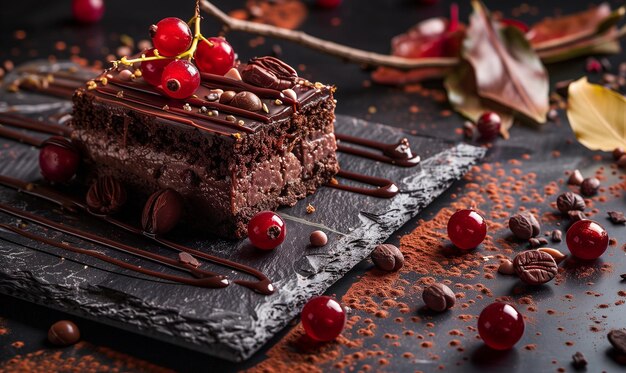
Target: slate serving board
column 234, row 322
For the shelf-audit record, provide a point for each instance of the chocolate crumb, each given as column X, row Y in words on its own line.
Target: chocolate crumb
column 578, row 360
column 576, row 215
column 618, row 153
column 617, row 337
column 623, row 276
column 506, row 267
column 575, row 178
column 589, row 186
column 186, row 258
column 617, row 217
column 557, row 236
column 534, row 242
column 310, row 209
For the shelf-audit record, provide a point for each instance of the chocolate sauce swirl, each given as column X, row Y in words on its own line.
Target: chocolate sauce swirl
column 386, row 188
column 399, row 153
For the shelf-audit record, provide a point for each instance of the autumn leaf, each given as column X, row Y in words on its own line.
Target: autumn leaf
column 506, row 69
column 461, row 88
column 590, row 31
column 597, row 115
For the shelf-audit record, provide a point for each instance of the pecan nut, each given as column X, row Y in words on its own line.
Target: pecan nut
column 269, row 72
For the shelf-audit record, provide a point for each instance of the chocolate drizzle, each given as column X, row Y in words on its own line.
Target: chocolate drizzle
column 397, row 154
column 19, row 121
column 20, row 136
column 262, row 286
column 386, row 188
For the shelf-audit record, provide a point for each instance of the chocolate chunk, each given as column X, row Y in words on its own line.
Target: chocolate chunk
column 557, row 235
column 542, row 241
column 576, row 215
column 589, row 186
column 438, row 297
column 554, row 253
column 188, row 259
column 318, row 238
column 569, row 201
column 618, row 153
column 213, row 96
column 621, row 163
column 269, row 72
column 387, row 257
column 623, row 276
column 227, row 96
column 247, row 101
column 617, row 338
column 106, row 196
column 617, row 217
column 575, row 178
column 63, row 333
column 535, row 267
column 290, row 93
column 578, row 360
column 162, row 211
column 506, row 267
column 524, row 225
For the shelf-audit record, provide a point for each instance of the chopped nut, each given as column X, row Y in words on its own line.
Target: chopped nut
column 310, row 209
column 278, row 102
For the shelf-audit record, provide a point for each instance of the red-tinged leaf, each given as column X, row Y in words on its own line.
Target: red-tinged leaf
column 586, row 32
column 506, row 68
column 435, row 37
column 461, row 88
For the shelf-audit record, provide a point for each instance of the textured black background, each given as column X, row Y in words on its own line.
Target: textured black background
column 367, row 25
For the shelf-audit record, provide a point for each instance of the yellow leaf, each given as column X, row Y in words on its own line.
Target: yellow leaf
column 597, row 115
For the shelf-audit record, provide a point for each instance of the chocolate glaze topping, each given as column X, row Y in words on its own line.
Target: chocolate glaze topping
column 386, row 188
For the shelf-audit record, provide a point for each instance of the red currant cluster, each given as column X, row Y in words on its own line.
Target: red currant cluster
column 170, row 64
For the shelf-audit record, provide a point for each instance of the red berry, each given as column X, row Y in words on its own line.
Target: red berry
column 466, row 229
column 328, row 4
column 266, row 230
column 216, row 59
column 152, row 71
column 489, row 125
column 180, row 79
column 323, row 318
column 88, row 11
column 587, row 239
column 171, row 36
column 593, row 65
column 58, row 159
column 500, row 326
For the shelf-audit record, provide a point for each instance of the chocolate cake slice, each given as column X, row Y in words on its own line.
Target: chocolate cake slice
column 256, row 139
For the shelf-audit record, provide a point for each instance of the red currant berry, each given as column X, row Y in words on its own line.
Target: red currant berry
column 58, row 159
column 88, row 11
column 180, row 79
column 171, row 36
column 593, row 65
column 489, row 125
column 323, row 318
column 152, row 71
column 266, row 230
column 587, row 239
column 500, row 326
column 466, row 229
column 216, row 59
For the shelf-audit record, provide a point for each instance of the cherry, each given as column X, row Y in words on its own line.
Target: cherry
column 587, row 239
column 171, row 36
column 466, row 229
column 323, row 318
column 266, row 230
column 88, row 11
column 180, row 79
column 152, row 71
column 58, row 159
column 489, row 125
column 328, row 4
column 216, row 59
column 500, row 326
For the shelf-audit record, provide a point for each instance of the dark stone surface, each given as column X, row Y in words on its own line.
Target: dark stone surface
column 234, row 322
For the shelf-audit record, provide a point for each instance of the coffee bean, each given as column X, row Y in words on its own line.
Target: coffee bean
column 318, row 238
column 617, row 338
column 438, row 297
column 246, row 101
column 387, row 257
column 575, row 178
column 524, row 225
column 554, row 253
column 63, row 333
column 506, row 267
column 578, row 360
column 589, row 186
column 227, row 96
column 535, row 267
column 569, row 201
column 106, row 196
column 162, row 211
